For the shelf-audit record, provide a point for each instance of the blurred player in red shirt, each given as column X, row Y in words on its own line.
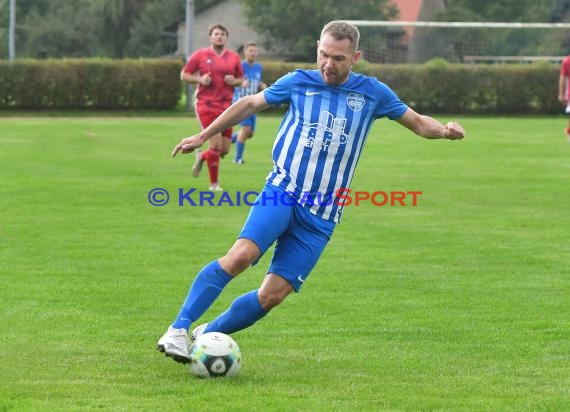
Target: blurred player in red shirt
column 564, row 90
column 216, row 70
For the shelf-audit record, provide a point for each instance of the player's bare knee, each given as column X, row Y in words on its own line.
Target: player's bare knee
column 239, row 258
column 268, row 299
column 243, row 257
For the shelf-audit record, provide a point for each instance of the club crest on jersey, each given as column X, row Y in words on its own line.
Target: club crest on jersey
column 355, row 101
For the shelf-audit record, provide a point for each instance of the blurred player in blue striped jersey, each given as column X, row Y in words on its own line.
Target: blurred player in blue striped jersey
column 251, row 85
column 318, row 144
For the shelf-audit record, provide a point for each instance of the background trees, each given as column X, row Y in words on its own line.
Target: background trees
column 106, row 28
column 294, row 25
column 500, row 42
column 132, row 28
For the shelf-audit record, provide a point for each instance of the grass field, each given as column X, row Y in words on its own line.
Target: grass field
column 459, row 303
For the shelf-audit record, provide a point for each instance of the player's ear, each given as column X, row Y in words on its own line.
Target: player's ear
column 356, row 56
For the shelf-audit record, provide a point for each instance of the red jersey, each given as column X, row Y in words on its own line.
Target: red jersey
column 217, row 95
column 565, row 71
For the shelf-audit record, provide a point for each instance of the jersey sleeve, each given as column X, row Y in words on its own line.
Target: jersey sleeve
column 280, row 91
column 193, row 63
column 239, row 67
column 388, row 103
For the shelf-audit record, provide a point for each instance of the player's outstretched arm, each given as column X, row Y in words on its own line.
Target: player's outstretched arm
column 240, row 110
column 430, row 128
column 188, row 145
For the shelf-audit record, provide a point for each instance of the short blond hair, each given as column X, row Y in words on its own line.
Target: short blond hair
column 341, row 30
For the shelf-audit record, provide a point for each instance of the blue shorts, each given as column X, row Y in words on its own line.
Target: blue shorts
column 299, row 235
column 250, row 121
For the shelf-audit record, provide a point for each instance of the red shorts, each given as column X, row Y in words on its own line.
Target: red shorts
column 206, row 117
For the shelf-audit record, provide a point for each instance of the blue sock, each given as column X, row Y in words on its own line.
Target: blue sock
column 207, row 286
column 234, row 137
column 243, row 312
column 239, row 150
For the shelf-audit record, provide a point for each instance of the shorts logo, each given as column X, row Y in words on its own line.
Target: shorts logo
column 355, row 101
column 300, row 279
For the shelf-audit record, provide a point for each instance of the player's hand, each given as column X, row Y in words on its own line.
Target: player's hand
column 453, row 131
column 229, row 79
column 206, row 79
column 187, row 145
column 245, row 83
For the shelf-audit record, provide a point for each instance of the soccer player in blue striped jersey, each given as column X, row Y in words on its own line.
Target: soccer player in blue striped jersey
column 318, row 144
column 252, row 84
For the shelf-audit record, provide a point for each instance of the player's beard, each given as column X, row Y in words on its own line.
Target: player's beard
column 218, row 48
column 333, row 76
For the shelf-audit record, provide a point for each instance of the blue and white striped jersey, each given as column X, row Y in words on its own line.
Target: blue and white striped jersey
column 322, row 134
column 253, row 75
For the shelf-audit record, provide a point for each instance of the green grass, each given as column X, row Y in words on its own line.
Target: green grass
column 459, row 303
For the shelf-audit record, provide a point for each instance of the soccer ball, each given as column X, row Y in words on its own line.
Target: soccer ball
column 215, row 355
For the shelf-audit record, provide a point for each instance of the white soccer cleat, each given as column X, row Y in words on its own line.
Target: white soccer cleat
column 174, row 344
column 216, row 188
column 198, row 331
column 198, row 164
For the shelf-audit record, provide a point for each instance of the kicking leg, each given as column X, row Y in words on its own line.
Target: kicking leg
column 206, row 287
column 251, row 307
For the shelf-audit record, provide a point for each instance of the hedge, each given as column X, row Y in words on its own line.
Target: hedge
column 101, row 84
column 466, row 89
column 154, row 84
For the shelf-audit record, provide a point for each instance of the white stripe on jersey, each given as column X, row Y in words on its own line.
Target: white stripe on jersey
column 323, row 144
column 331, row 210
column 322, row 135
column 296, row 164
column 288, row 140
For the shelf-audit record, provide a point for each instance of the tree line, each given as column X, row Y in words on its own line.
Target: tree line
column 136, row 28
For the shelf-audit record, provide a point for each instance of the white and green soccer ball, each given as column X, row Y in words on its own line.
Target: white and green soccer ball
column 215, row 355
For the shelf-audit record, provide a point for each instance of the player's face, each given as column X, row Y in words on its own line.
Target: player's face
column 218, row 38
column 335, row 59
column 250, row 53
